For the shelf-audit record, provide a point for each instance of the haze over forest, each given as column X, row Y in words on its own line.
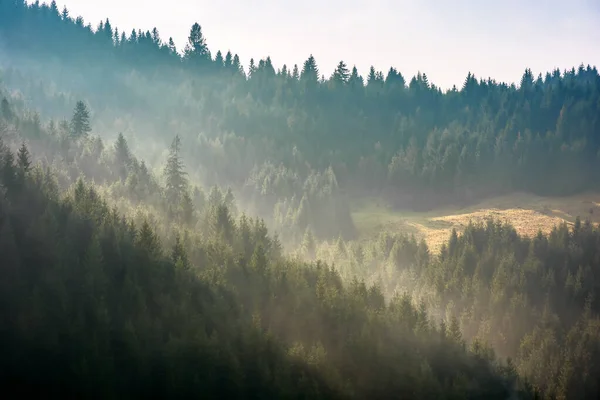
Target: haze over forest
column 179, row 220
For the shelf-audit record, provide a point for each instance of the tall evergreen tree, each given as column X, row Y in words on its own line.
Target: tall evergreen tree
column 172, row 47
column 65, row 14
column 80, row 122
column 23, row 158
column 372, row 76
column 196, row 49
column 355, row 79
column 122, row 156
column 219, row 61
column 310, row 71
column 237, row 65
column 251, row 68
column 228, row 60
column 341, row 74
column 175, row 175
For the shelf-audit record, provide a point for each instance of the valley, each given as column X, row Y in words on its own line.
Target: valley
column 527, row 213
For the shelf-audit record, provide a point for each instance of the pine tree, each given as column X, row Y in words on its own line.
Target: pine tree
column 341, row 73
column 133, row 38
column 228, row 60
column 310, row 71
column 215, row 197
column 394, row 78
column 172, row 47
column 149, row 241
column 372, row 76
column 251, row 68
column 270, row 70
column 222, row 224
column 237, row 65
column 229, row 201
column 156, row 37
column 308, row 244
column 196, row 49
column 116, row 37
column 80, row 123
column 23, row 159
column 355, row 80
column 259, row 261
column 122, row 156
column 178, row 254
column 219, row 61
column 108, row 31
column 176, row 179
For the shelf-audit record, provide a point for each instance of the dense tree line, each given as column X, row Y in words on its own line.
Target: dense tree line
column 403, row 138
column 96, row 304
column 124, row 278
column 514, row 294
column 531, row 299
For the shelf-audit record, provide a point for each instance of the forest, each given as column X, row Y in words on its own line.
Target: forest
column 174, row 223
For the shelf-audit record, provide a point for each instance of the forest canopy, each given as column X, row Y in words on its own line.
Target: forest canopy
column 174, row 223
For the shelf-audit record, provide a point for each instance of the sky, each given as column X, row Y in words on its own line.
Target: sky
column 445, row 39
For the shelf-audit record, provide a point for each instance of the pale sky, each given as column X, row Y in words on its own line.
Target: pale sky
column 443, row 38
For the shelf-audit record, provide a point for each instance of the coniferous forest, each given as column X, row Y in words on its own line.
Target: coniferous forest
column 174, row 223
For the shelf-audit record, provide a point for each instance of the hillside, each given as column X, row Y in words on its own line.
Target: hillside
column 526, row 212
column 179, row 223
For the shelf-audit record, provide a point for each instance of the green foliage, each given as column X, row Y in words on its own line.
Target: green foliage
column 80, row 122
column 174, row 290
column 121, row 310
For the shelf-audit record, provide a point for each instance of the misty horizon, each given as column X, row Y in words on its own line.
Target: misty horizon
column 182, row 224
column 446, row 42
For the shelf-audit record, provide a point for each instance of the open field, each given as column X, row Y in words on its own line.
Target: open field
column 527, row 213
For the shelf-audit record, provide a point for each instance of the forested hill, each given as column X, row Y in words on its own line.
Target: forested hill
column 98, row 304
column 134, row 261
column 383, row 132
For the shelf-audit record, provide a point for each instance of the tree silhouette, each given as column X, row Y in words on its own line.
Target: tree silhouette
column 80, row 122
column 196, row 49
column 175, row 175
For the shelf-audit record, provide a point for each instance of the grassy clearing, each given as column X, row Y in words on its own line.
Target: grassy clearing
column 527, row 213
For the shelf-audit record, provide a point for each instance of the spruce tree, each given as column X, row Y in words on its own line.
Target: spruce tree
column 308, row 245
column 310, row 71
column 228, row 60
column 178, row 254
column 23, row 158
column 80, row 123
column 237, row 65
column 341, row 73
column 172, row 47
column 196, row 50
column 355, row 79
column 219, row 61
column 372, row 76
column 251, row 68
column 175, row 175
column 122, row 155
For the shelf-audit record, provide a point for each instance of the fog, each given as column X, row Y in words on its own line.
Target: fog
column 158, row 205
